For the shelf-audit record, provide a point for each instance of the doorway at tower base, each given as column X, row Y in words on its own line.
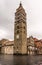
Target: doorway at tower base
column 20, row 53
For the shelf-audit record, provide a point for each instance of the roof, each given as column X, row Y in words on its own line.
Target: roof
column 35, row 39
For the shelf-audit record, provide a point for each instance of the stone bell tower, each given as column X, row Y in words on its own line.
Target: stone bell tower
column 20, row 31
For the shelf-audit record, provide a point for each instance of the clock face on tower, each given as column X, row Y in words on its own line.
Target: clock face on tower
column 17, row 36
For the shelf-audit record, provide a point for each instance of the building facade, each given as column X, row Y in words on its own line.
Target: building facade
column 38, row 46
column 30, row 46
column 7, row 46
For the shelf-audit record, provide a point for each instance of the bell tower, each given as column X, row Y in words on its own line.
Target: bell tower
column 20, row 31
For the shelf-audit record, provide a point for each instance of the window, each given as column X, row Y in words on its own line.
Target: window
column 17, row 21
column 18, row 18
column 18, row 14
column 17, row 27
column 24, row 27
column 17, row 31
column 17, row 47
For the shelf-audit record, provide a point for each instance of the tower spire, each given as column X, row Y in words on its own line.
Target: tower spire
column 20, row 3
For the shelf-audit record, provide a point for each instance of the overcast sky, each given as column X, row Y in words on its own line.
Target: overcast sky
column 33, row 9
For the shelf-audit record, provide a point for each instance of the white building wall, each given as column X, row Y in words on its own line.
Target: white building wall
column 7, row 47
column 8, row 50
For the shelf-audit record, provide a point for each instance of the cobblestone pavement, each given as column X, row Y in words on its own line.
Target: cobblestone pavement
column 20, row 60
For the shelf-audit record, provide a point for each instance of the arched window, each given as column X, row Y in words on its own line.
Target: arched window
column 17, row 27
column 17, row 31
